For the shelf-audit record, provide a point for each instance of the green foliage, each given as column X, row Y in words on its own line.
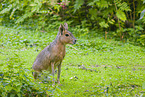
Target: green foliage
column 102, row 4
column 142, row 39
column 7, row 9
column 123, row 6
column 121, row 15
column 30, row 12
column 103, row 24
column 78, row 4
column 16, row 79
column 105, row 15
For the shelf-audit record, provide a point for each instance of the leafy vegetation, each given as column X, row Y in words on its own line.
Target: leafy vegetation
column 92, row 67
column 122, row 19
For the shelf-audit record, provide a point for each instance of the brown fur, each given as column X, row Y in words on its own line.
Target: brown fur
column 51, row 56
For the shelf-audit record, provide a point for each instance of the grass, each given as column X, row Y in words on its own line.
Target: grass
column 93, row 67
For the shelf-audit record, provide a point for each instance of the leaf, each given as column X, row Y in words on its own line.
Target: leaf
column 143, row 36
column 111, row 21
column 21, row 19
column 142, row 14
column 93, row 13
column 121, row 15
column 32, row 4
column 12, row 13
column 138, row 28
column 78, row 4
column 103, row 4
column 124, row 7
column 92, row 3
column 44, row 11
column 6, row 9
column 103, row 24
column 57, row 7
column 53, row 2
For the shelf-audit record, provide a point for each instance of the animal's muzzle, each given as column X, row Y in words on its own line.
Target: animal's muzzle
column 74, row 42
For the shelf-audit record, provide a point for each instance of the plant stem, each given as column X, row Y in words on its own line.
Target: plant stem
column 134, row 15
column 119, row 24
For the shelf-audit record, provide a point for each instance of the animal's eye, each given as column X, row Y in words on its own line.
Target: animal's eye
column 66, row 35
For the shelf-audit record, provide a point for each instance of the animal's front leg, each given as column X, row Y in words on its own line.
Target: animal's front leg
column 52, row 68
column 35, row 75
column 59, row 71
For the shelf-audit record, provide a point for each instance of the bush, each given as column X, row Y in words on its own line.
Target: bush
column 120, row 17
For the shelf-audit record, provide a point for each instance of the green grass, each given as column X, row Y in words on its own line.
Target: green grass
column 93, row 67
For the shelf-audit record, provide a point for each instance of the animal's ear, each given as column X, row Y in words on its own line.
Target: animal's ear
column 66, row 26
column 61, row 29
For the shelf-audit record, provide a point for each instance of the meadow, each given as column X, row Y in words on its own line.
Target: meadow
column 93, row 67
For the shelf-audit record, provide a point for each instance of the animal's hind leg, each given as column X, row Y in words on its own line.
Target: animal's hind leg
column 58, row 75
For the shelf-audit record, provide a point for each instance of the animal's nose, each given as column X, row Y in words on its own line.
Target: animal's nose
column 75, row 41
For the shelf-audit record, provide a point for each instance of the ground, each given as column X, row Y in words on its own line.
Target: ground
column 93, row 67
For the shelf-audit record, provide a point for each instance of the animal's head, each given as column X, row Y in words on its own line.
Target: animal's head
column 65, row 36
